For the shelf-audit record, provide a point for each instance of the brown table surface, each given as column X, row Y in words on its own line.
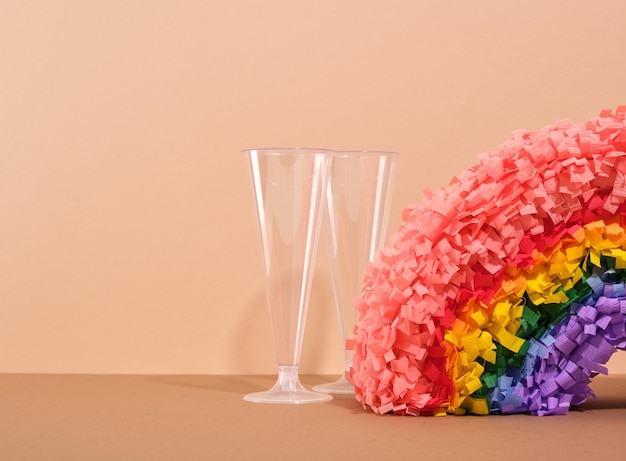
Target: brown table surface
column 145, row 417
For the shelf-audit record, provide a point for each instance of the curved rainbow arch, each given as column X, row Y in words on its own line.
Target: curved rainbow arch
column 505, row 292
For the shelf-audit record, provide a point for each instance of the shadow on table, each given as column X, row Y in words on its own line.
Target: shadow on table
column 238, row 384
column 610, row 392
column 231, row 383
column 243, row 384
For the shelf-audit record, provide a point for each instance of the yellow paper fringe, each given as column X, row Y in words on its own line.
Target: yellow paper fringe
column 479, row 326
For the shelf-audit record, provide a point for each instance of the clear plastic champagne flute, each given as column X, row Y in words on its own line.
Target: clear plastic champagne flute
column 358, row 198
column 288, row 189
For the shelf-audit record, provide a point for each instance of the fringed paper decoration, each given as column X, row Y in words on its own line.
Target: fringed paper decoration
column 505, row 291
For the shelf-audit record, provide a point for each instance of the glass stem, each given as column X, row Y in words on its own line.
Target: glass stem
column 288, row 379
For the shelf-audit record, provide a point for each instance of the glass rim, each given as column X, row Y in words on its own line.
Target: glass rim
column 365, row 152
column 288, row 150
column 320, row 150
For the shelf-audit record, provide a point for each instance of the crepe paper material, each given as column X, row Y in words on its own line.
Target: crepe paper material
column 504, row 292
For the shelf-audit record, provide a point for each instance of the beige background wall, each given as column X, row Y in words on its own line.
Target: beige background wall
column 126, row 238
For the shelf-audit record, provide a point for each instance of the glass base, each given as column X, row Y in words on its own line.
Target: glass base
column 287, row 389
column 341, row 386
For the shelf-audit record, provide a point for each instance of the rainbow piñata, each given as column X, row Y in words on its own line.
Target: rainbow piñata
column 505, row 291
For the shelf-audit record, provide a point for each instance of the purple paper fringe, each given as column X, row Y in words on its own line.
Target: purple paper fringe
column 560, row 365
